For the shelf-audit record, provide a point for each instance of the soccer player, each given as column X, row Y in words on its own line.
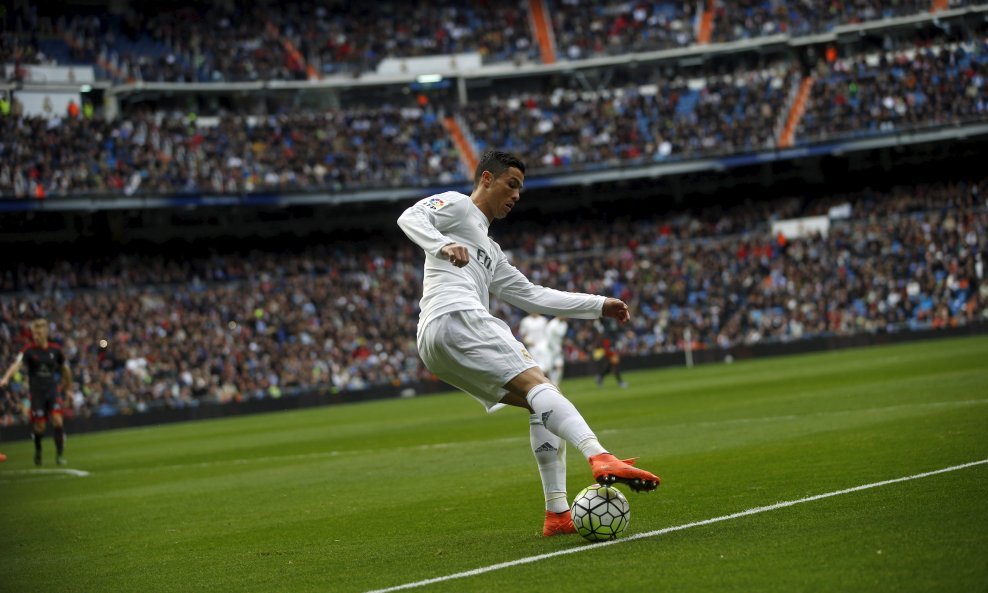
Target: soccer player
column 532, row 330
column 608, row 361
column 549, row 352
column 462, row 343
column 44, row 362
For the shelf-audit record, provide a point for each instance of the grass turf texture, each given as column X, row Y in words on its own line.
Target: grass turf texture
column 367, row 496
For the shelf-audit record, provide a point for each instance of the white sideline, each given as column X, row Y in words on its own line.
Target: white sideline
column 597, row 546
column 46, row 472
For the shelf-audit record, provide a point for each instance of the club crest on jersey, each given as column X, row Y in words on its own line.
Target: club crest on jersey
column 435, row 203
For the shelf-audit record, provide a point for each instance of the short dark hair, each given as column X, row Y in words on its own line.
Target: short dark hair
column 497, row 162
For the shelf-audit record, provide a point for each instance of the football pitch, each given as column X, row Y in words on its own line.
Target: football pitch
column 858, row 470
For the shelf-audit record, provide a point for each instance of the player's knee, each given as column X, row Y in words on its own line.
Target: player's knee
column 523, row 384
column 513, row 399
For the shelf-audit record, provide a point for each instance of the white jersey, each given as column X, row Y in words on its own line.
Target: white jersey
column 452, row 217
column 555, row 333
column 532, row 330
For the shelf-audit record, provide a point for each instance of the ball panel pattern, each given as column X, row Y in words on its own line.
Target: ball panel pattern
column 600, row 513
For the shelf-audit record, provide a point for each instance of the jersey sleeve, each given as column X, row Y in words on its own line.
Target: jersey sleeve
column 421, row 221
column 511, row 286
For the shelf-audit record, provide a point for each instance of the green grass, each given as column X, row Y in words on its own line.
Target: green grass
column 365, row 496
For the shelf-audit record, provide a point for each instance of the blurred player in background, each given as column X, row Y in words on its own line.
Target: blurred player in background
column 463, row 344
column 549, row 352
column 45, row 365
column 532, row 330
column 608, row 361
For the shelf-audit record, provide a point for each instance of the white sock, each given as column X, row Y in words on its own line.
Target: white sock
column 550, row 454
column 562, row 418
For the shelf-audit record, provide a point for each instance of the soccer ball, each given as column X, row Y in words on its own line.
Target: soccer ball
column 600, row 513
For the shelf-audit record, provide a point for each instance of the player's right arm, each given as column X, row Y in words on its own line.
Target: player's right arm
column 18, row 362
column 420, row 223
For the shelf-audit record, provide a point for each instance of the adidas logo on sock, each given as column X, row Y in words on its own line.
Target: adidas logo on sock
column 545, row 447
column 545, row 417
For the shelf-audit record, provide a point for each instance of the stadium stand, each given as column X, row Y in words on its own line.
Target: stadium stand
column 232, row 42
column 360, row 148
column 756, row 18
column 654, row 120
column 146, row 332
column 641, row 85
column 592, row 29
column 880, row 93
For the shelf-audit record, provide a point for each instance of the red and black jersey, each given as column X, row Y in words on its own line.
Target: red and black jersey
column 44, row 366
column 608, row 349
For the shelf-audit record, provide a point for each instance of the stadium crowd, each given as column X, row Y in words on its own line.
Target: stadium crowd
column 746, row 19
column 895, row 91
column 655, row 119
column 268, row 40
column 337, row 149
column 588, row 29
column 910, row 260
column 639, row 123
column 143, row 332
column 237, row 42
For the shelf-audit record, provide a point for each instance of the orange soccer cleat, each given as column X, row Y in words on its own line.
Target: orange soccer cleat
column 3, row 457
column 608, row 469
column 558, row 523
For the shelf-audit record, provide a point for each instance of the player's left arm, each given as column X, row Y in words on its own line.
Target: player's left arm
column 616, row 309
column 511, row 286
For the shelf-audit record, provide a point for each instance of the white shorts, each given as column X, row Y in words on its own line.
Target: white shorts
column 475, row 352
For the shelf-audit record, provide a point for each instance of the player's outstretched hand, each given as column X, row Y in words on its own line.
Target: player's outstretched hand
column 616, row 309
